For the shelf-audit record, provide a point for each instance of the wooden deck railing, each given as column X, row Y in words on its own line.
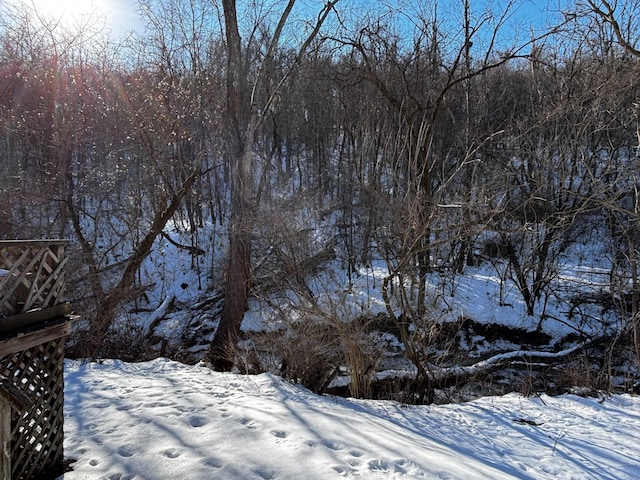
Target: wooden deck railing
column 32, row 277
column 33, row 327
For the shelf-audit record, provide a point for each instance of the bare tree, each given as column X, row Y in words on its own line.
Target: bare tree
column 245, row 115
column 622, row 18
column 619, row 22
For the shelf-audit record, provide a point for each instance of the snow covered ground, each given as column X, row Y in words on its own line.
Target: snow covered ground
column 165, row 420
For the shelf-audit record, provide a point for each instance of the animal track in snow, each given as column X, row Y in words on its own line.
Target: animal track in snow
column 333, row 445
column 249, row 423
column 119, row 476
column 211, row 462
column 266, row 474
column 378, row 465
column 344, row 471
column 279, row 433
column 172, row 453
column 126, row 451
column 197, row 421
column 398, row 466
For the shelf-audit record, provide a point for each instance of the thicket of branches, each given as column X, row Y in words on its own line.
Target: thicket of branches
column 426, row 140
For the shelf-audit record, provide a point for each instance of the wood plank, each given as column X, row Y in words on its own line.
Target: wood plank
column 11, row 394
column 21, row 320
column 56, row 328
column 30, row 243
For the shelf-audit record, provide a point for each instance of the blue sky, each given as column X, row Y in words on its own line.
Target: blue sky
column 122, row 14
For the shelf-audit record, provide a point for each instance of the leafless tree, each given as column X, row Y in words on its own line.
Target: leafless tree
column 244, row 116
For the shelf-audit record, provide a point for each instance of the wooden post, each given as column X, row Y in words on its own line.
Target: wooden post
column 11, row 398
column 5, row 439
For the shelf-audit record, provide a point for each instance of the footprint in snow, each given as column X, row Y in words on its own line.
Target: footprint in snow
column 126, row 451
column 250, row 424
column 266, row 474
column 211, row 462
column 444, row 476
column 279, row 433
column 378, row 465
column 405, row 464
column 344, row 471
column 333, row 445
column 120, row 476
column 197, row 421
column 172, row 453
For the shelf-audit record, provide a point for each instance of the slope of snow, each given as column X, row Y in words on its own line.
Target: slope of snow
column 165, row 420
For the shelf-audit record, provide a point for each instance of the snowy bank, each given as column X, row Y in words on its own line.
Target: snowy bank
column 165, row 420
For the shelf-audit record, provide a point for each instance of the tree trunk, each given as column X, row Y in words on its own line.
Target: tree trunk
column 223, row 346
column 243, row 123
column 222, row 349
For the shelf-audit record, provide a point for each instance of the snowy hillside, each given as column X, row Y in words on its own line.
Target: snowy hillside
column 165, row 420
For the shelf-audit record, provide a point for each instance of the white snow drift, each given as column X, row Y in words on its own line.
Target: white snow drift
column 165, row 420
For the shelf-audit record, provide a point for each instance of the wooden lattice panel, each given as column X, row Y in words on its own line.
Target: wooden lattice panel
column 37, row 433
column 31, row 275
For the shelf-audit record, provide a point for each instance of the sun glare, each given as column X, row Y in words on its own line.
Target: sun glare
column 69, row 11
column 118, row 17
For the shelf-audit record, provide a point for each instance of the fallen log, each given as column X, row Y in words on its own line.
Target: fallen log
column 442, row 374
column 439, row 377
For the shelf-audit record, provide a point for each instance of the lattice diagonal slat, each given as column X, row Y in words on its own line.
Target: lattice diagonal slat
column 31, row 276
column 37, row 434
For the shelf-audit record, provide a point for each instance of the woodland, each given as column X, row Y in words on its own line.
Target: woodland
column 281, row 148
